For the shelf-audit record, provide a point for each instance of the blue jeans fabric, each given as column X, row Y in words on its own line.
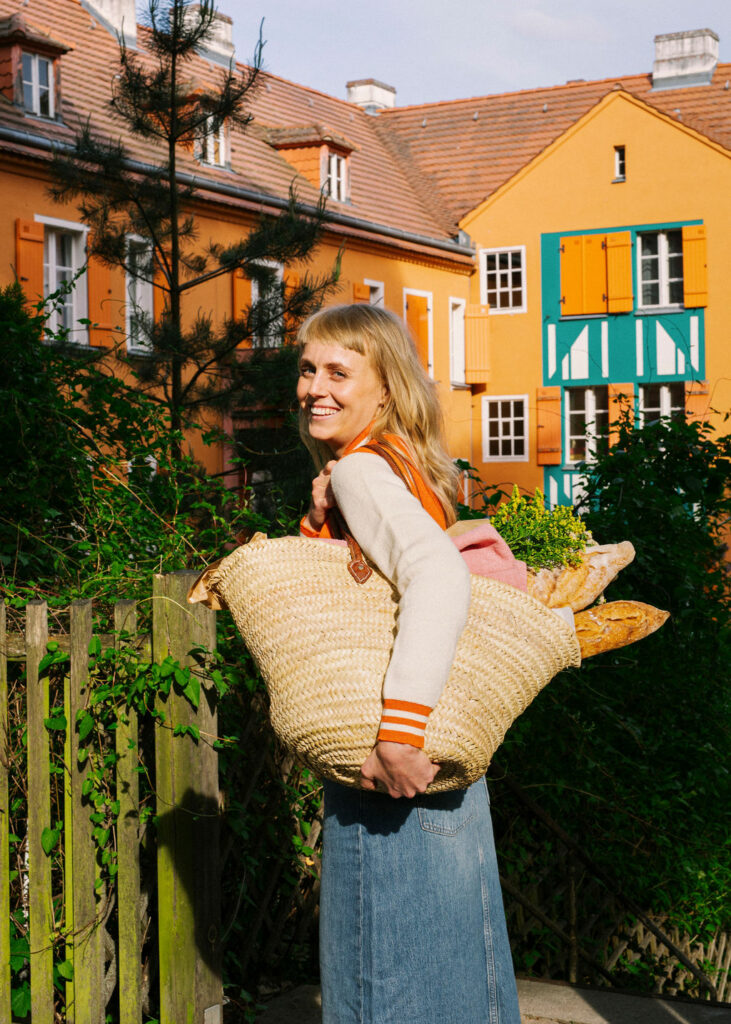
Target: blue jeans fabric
column 412, row 927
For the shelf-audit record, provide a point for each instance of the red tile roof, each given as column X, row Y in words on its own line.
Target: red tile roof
column 414, row 169
column 464, row 150
column 381, row 193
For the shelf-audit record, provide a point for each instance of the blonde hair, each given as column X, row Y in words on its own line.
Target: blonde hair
column 411, row 410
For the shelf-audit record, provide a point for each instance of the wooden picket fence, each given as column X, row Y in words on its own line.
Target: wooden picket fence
column 100, row 930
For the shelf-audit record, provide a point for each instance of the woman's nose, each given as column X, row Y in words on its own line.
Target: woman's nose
column 317, row 383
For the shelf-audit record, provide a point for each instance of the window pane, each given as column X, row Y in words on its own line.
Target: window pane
column 650, row 295
column 519, row 446
column 494, row 428
column 676, row 292
column 505, row 409
column 490, row 262
column 43, row 73
column 494, row 447
column 578, row 449
column 504, row 258
column 492, row 298
column 518, row 427
column 506, row 448
column 648, row 245
column 675, row 242
column 576, row 398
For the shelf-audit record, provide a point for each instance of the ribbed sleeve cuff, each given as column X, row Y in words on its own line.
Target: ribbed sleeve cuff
column 403, row 722
column 305, row 530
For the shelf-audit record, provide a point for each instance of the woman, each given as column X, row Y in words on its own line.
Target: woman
column 411, row 919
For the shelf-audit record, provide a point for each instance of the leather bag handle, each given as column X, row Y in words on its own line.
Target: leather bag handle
column 357, row 566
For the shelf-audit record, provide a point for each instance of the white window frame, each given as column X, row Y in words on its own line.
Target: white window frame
column 505, row 434
column 457, row 361
column 260, row 341
column 79, row 305
column 590, row 413
column 336, row 176
column 207, row 144
column 377, row 295
column 667, row 408
column 663, row 270
column 139, row 294
column 35, row 84
column 510, row 250
column 620, row 163
column 430, row 322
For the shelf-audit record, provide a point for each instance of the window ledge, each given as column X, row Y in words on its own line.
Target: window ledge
column 504, row 312
column 658, row 310
column 617, row 181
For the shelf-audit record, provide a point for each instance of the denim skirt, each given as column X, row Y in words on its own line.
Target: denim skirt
column 412, row 926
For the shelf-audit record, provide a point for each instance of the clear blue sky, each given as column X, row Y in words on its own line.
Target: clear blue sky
column 443, row 49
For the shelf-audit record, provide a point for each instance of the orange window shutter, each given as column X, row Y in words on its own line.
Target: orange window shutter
column 99, row 292
column 361, row 292
column 696, row 400
column 548, row 426
column 29, row 258
column 620, row 298
column 695, row 273
column 291, row 323
column 572, row 276
column 595, row 274
column 417, row 318
column 240, row 300
column 621, row 398
column 477, row 344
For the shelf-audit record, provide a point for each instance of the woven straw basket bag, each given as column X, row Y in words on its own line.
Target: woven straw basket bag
column 323, row 641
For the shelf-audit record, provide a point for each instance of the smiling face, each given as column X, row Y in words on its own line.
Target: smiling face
column 339, row 392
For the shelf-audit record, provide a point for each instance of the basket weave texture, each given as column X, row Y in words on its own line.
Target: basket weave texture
column 323, row 642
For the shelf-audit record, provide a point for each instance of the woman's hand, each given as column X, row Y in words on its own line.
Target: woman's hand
column 323, row 498
column 402, row 769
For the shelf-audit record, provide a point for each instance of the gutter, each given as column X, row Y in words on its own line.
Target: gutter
column 253, row 196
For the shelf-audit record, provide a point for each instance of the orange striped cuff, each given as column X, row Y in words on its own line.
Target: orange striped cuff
column 402, row 721
column 305, row 530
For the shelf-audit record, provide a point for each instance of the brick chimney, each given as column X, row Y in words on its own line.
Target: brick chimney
column 371, row 95
column 118, row 16
column 684, row 59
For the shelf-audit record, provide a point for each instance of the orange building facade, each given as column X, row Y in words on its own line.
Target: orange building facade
column 551, row 250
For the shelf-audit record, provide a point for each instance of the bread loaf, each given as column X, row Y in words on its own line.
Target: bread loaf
column 605, row 627
column 579, row 586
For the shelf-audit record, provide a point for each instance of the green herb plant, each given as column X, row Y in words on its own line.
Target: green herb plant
column 542, row 538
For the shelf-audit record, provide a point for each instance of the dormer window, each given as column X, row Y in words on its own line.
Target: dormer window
column 30, row 59
column 37, row 79
column 212, row 145
column 336, row 182
column 319, row 155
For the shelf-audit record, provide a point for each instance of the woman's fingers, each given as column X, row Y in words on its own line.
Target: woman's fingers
column 401, row 769
column 323, row 498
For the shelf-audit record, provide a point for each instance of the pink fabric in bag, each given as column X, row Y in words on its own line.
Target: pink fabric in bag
column 487, row 554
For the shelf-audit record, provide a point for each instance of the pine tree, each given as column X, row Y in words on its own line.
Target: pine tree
column 188, row 366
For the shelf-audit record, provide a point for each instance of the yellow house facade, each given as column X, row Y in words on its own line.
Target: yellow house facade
column 625, row 289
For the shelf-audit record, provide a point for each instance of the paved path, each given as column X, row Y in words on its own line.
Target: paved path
column 540, row 1003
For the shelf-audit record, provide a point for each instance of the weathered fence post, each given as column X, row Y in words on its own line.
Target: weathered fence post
column 187, row 825
column 39, row 817
column 4, row 829
column 129, row 976
column 85, row 939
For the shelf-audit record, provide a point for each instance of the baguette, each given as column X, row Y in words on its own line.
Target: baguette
column 607, row 627
column 579, row 586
